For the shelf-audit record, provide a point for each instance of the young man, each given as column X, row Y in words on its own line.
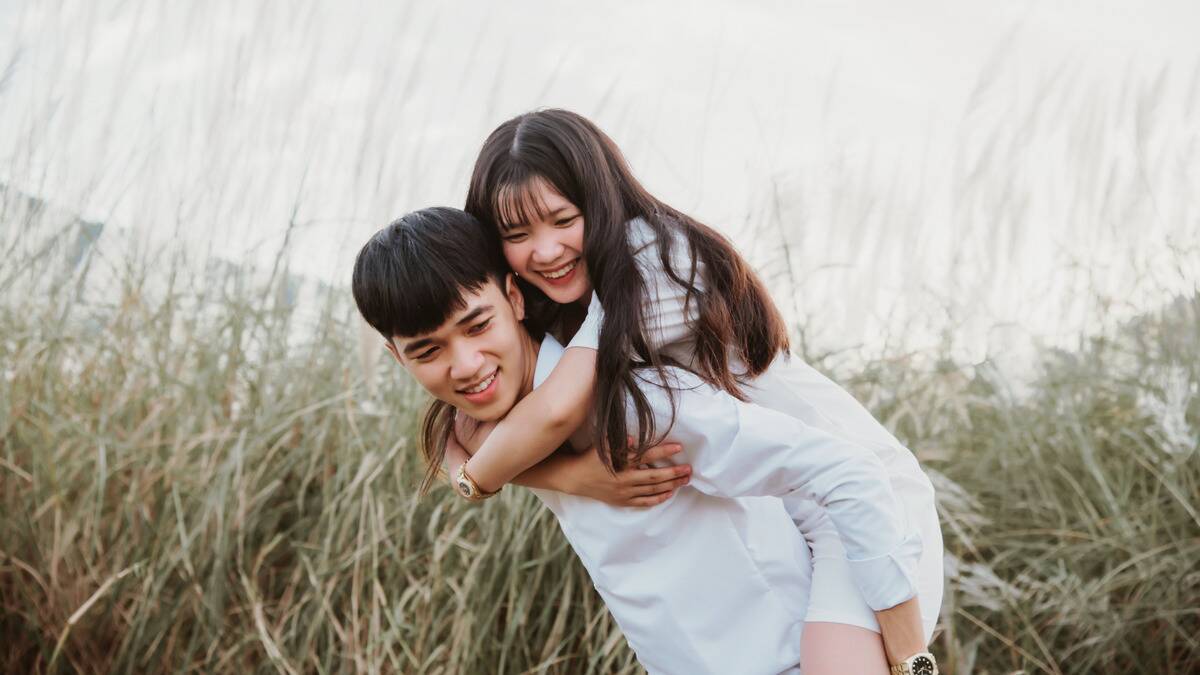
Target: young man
column 716, row 579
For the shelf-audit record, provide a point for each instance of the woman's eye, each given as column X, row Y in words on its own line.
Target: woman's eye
column 562, row 222
column 514, row 238
column 479, row 327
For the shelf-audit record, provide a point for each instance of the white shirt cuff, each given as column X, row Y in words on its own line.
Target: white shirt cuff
column 889, row 579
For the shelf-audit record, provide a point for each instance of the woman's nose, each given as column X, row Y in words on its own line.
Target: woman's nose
column 546, row 249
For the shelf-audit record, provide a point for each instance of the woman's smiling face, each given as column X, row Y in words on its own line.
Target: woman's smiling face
column 544, row 245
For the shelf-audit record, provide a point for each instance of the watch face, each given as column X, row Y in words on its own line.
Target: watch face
column 463, row 487
column 922, row 665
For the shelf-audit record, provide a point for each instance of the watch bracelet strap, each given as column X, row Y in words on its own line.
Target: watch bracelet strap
column 477, row 494
column 903, row 668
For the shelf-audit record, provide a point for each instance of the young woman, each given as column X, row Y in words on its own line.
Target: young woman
column 660, row 288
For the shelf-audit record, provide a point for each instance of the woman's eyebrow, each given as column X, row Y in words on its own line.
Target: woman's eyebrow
column 543, row 213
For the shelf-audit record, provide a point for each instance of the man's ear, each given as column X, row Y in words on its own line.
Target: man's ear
column 515, row 298
column 391, row 347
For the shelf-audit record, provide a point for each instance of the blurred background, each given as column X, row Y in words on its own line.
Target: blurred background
column 980, row 216
column 977, row 163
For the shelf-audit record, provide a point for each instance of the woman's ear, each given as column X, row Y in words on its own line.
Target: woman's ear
column 515, row 298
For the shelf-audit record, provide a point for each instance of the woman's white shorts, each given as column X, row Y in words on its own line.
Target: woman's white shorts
column 836, row 599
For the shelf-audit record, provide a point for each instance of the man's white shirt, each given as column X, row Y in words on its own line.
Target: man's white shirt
column 716, row 579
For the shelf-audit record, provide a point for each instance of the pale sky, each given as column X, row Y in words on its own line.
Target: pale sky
column 844, row 126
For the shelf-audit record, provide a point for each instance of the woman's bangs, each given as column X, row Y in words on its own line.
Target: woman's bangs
column 518, row 203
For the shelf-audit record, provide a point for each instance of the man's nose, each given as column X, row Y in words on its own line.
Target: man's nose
column 466, row 362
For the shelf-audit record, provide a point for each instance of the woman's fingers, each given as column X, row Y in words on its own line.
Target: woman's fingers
column 650, row 486
column 656, row 453
column 655, row 476
column 653, row 500
column 659, row 487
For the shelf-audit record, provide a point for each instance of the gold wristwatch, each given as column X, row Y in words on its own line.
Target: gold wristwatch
column 921, row 663
column 466, row 485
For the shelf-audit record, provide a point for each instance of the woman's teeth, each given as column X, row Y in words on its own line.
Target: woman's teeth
column 482, row 385
column 562, row 271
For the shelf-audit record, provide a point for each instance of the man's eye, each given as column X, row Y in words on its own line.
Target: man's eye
column 479, row 327
column 427, row 354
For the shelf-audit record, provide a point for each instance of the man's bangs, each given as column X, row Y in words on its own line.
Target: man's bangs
column 416, row 273
column 424, row 307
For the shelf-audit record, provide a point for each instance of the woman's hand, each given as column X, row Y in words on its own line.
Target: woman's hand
column 585, row 475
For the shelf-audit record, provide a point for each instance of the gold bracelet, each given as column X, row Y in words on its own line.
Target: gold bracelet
column 467, row 487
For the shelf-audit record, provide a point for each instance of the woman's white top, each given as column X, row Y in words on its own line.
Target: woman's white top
column 825, row 426
column 699, row 584
column 717, row 578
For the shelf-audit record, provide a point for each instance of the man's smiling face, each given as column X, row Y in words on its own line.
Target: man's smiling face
column 481, row 359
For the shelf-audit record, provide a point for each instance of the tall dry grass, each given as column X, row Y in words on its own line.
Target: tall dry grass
column 186, row 487
column 195, row 478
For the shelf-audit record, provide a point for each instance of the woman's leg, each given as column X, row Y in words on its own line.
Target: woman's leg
column 838, row 648
column 841, row 634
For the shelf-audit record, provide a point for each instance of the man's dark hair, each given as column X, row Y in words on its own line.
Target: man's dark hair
column 412, row 275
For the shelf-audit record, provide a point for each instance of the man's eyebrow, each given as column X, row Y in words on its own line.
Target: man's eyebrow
column 417, row 345
column 474, row 314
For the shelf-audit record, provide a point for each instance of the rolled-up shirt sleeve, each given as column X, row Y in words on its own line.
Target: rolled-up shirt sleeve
column 668, row 312
column 738, row 449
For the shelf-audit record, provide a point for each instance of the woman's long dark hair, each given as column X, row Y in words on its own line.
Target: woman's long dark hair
column 735, row 314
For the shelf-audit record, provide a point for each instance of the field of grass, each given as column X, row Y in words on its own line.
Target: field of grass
column 195, row 479
column 197, row 473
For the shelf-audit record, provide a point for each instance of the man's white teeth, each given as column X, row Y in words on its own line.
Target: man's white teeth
column 562, row 271
column 482, row 385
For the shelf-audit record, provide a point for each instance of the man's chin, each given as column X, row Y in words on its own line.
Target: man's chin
column 483, row 418
column 493, row 412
